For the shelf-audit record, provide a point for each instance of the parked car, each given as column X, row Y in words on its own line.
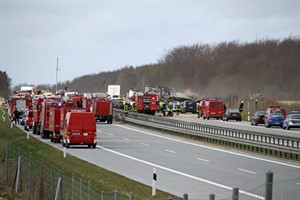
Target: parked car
column 188, row 106
column 258, row 118
column 274, row 120
column 294, row 112
column 291, row 121
column 117, row 103
column 232, row 114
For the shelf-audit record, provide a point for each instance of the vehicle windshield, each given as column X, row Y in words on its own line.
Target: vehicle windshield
column 295, row 117
column 233, row 110
column 275, row 115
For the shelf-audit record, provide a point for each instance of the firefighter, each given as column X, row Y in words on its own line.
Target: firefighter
column 241, row 108
column 177, row 108
column 162, row 107
column 126, row 108
column 16, row 116
column 170, row 109
column 133, row 107
column 198, row 109
column 123, row 101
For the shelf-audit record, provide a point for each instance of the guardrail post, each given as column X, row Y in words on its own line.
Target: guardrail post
column 102, row 195
column 185, row 197
column 235, row 194
column 211, row 197
column 116, row 195
column 131, row 197
column 269, row 185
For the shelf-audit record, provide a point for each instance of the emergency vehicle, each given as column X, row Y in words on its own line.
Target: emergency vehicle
column 20, row 101
column 213, row 109
column 102, row 108
column 37, row 109
column 54, row 124
column 45, row 115
column 150, row 102
column 79, row 128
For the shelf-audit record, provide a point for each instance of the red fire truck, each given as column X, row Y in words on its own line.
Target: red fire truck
column 54, row 124
column 102, row 109
column 150, row 102
column 45, row 115
column 37, row 109
column 20, row 101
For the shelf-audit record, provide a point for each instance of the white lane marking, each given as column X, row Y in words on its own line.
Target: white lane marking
column 298, row 184
column 245, row 170
column 212, row 148
column 170, row 151
column 179, row 173
column 145, row 144
column 201, row 159
column 126, row 139
column 110, row 134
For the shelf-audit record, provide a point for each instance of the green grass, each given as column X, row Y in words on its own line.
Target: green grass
column 101, row 178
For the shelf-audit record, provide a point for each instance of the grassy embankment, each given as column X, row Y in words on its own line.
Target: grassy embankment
column 100, row 178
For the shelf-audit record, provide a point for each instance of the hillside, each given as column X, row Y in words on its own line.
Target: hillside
column 270, row 67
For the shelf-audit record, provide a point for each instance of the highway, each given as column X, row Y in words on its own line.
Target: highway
column 186, row 166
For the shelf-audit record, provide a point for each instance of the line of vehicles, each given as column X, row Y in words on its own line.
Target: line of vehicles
column 71, row 118
column 66, row 117
column 276, row 116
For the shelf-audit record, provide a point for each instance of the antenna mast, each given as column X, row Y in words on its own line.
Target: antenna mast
column 56, row 75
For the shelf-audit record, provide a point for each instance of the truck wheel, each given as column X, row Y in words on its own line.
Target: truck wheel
column 94, row 146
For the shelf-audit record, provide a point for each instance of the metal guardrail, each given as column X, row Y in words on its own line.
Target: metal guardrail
column 286, row 144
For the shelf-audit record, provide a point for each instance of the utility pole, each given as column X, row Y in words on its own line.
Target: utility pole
column 56, row 75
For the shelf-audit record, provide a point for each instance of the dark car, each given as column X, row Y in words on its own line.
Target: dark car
column 117, row 103
column 188, row 106
column 232, row 114
column 291, row 121
column 274, row 120
column 258, row 118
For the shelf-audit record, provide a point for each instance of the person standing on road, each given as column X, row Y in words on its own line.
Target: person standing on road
column 177, row 108
column 198, row 109
column 16, row 116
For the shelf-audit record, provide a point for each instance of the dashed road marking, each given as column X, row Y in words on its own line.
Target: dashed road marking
column 201, row 159
column 148, row 145
column 245, row 170
column 170, row 151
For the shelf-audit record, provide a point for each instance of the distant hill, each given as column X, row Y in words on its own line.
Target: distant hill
column 268, row 67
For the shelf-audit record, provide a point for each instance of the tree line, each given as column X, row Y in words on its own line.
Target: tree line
column 269, row 67
column 5, row 85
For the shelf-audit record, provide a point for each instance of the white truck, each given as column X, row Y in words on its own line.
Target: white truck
column 114, row 91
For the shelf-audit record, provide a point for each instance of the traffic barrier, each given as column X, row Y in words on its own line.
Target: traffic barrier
column 284, row 146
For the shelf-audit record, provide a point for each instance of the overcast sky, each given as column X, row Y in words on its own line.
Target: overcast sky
column 96, row 36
